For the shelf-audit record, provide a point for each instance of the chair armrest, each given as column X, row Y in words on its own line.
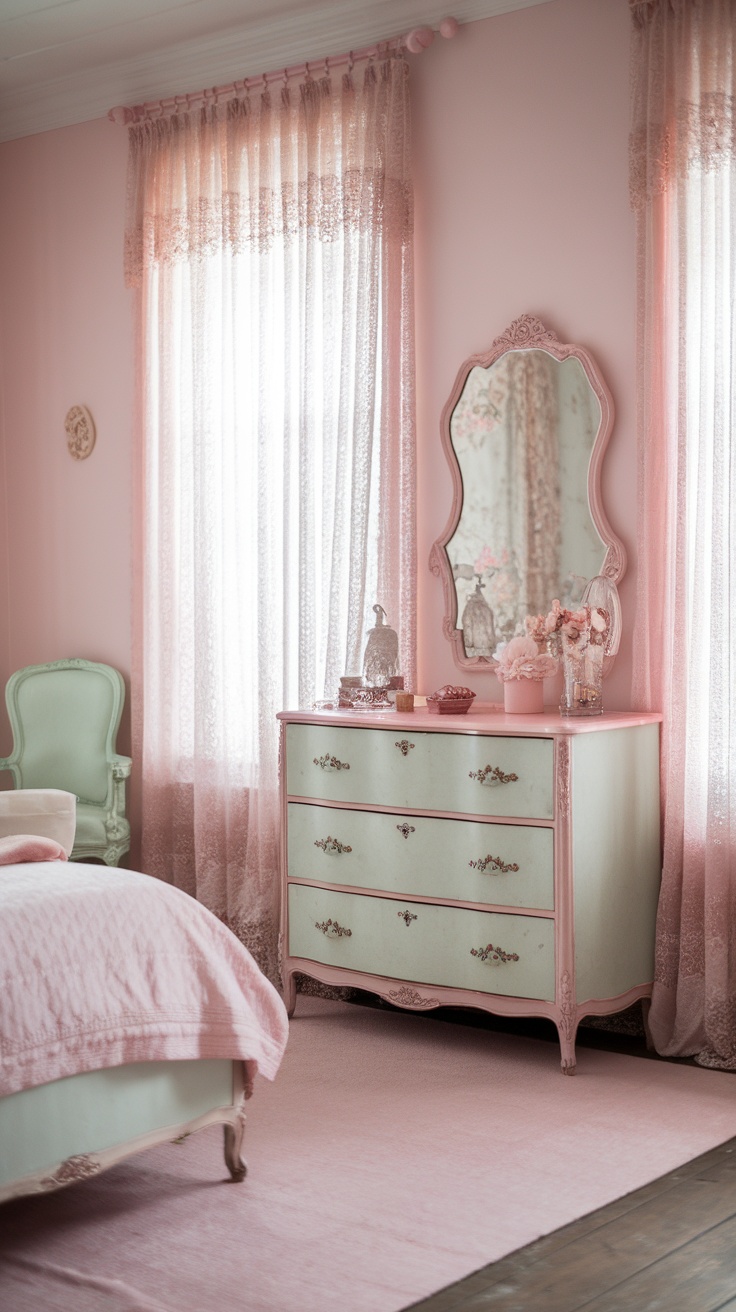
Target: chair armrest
column 11, row 763
column 120, row 767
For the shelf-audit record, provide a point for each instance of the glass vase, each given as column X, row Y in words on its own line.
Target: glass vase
column 582, row 673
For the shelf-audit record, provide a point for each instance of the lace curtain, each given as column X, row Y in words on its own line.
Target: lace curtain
column 270, row 239
column 683, row 174
column 534, row 487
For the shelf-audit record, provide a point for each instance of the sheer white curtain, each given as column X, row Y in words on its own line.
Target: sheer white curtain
column 683, row 158
column 271, row 240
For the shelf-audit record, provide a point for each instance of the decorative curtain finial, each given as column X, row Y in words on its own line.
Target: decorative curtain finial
column 420, row 38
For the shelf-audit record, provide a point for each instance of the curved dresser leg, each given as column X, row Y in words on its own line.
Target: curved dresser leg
column 289, row 985
column 233, row 1145
column 567, row 1031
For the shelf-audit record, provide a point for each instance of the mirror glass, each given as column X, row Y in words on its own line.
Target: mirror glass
column 524, row 431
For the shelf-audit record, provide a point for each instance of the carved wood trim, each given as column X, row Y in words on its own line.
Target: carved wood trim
column 567, row 1005
column 525, row 332
column 563, row 778
column 81, row 1167
column 406, row 997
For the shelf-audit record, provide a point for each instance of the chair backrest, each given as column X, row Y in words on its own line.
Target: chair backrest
column 65, row 717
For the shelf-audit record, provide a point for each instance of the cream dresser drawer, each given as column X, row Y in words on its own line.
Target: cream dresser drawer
column 461, row 860
column 430, row 838
column 424, row 943
column 462, row 773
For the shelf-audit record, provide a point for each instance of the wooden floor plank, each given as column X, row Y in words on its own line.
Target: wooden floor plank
column 716, row 1159
column 587, row 1261
column 585, row 1225
column 616, row 1250
column 696, row 1278
column 723, row 1169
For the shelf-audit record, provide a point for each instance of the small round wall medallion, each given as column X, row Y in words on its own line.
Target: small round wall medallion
column 80, row 432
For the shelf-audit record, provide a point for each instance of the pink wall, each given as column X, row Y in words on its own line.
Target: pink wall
column 520, row 128
column 65, row 339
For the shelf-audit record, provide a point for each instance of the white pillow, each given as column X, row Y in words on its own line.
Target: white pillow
column 44, row 812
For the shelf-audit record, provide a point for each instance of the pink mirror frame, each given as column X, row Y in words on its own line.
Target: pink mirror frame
column 525, row 333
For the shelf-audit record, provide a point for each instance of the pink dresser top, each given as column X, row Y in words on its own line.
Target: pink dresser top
column 484, row 717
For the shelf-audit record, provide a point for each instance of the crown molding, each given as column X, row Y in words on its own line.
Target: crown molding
column 257, row 47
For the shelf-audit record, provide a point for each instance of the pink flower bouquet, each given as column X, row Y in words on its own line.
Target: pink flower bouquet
column 570, row 630
column 580, row 637
column 520, row 658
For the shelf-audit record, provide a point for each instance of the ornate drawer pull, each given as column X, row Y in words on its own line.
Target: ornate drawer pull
column 406, row 916
column 331, row 927
column 332, row 845
column 404, row 746
column 496, row 864
column 496, row 955
column 406, row 830
column 493, row 774
column 330, row 763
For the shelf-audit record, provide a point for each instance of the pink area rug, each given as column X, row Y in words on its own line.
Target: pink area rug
column 393, row 1155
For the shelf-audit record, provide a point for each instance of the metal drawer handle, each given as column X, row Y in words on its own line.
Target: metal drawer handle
column 332, row 845
column 493, row 774
column 497, row 866
column 406, row 916
column 330, row 763
column 404, row 746
column 496, row 955
column 331, row 927
column 406, row 829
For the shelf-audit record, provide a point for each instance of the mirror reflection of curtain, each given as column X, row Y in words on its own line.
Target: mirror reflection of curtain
column 505, row 432
column 581, row 548
column 533, row 477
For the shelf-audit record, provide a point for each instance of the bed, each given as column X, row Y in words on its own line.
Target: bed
column 129, row 1014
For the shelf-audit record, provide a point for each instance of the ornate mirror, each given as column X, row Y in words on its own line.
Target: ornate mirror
column 524, row 431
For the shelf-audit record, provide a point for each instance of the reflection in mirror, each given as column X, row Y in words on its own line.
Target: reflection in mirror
column 524, row 431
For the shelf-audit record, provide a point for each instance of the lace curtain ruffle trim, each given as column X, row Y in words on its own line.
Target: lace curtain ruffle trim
column 683, row 109
column 227, row 177
column 695, row 136
column 326, row 206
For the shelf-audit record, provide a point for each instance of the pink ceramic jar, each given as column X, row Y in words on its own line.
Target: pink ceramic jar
column 523, row 696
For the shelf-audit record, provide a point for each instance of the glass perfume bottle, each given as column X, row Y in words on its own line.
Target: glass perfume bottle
column 479, row 630
column 381, row 658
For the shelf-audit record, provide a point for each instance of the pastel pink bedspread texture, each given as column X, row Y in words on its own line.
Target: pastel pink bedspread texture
column 101, row 967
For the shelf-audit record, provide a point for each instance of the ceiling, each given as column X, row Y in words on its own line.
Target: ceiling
column 66, row 61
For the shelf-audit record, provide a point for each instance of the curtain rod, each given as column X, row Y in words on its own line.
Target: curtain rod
column 415, row 41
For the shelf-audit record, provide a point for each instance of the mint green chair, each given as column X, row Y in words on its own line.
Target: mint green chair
column 65, row 718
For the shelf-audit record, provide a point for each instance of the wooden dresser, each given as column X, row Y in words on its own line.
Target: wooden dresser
column 504, row 862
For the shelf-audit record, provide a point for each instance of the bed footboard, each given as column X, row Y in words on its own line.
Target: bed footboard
column 59, row 1133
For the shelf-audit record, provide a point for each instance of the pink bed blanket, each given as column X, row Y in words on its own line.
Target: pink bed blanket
column 101, row 967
